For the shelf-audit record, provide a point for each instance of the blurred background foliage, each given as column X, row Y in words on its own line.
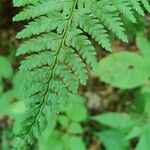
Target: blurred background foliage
column 113, row 111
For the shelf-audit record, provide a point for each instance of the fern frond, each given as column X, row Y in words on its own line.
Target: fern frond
column 58, row 50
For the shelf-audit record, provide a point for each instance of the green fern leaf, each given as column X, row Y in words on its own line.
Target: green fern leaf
column 58, row 49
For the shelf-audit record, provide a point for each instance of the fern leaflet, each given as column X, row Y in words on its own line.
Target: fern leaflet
column 58, row 50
